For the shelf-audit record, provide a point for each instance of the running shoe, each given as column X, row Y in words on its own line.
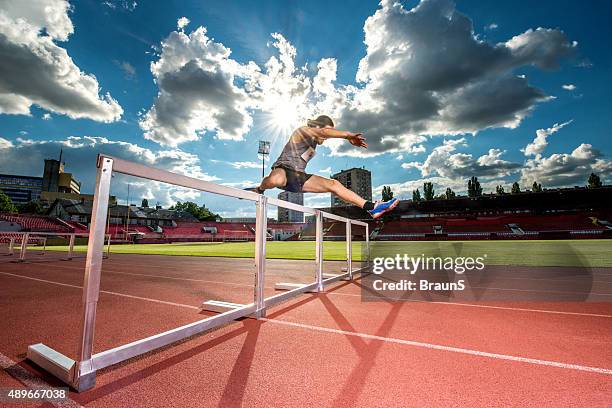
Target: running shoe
column 381, row 207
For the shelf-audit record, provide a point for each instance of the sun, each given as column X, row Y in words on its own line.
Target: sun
column 285, row 117
column 280, row 120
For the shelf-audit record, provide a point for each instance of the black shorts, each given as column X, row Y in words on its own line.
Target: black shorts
column 295, row 179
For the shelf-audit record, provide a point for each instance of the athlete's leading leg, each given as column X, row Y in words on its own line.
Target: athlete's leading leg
column 276, row 178
column 317, row 184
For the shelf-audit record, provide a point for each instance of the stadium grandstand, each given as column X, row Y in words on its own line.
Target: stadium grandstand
column 551, row 214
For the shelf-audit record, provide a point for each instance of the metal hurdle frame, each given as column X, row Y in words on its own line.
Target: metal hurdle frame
column 25, row 237
column 81, row 374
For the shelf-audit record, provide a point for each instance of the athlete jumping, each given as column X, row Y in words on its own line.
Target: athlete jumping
column 288, row 172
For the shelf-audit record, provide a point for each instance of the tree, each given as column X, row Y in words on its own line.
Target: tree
column 428, row 191
column 6, row 204
column 387, row 194
column 474, row 188
column 416, row 195
column 515, row 188
column 200, row 212
column 145, row 203
column 449, row 193
column 31, row 207
column 500, row 190
column 594, row 181
column 536, row 188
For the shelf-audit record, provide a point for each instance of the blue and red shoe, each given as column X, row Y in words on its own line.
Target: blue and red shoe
column 381, row 207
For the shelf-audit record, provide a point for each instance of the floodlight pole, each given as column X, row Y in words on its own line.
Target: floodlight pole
column 264, row 150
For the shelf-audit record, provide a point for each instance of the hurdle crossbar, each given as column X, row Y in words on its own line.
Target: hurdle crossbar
column 80, row 374
column 28, row 238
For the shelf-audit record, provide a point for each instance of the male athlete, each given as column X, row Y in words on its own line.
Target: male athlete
column 288, row 172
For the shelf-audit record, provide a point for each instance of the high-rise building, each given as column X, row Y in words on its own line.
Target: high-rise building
column 21, row 189
column 287, row 215
column 358, row 180
column 55, row 183
column 56, row 180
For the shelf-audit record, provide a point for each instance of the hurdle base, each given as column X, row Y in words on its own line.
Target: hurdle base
column 292, row 286
column 333, row 275
column 218, row 306
column 53, row 362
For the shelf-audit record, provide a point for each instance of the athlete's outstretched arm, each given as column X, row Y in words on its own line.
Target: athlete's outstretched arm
column 356, row 139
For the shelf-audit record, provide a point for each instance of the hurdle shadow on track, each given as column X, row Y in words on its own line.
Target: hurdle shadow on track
column 235, row 387
column 367, row 351
column 236, row 379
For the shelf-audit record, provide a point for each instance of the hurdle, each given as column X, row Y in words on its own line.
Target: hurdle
column 80, row 374
column 24, row 239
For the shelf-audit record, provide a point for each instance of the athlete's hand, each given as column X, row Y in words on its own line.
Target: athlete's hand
column 356, row 139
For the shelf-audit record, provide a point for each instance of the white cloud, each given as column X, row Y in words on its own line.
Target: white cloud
column 5, row 144
column 36, row 71
column 46, row 116
column 412, row 165
column 317, row 200
column 413, row 86
column 399, row 157
column 242, row 184
column 242, row 212
column 238, row 164
column 197, row 94
column 129, row 72
column 128, row 5
column 182, row 23
column 569, row 87
column 80, row 155
column 326, row 170
column 492, row 26
column 448, row 168
column 540, row 142
column 567, row 169
column 50, row 15
column 410, row 86
column 443, row 162
column 245, row 165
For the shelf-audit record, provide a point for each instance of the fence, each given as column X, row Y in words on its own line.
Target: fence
column 81, row 374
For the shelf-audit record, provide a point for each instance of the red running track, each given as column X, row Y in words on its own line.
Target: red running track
column 328, row 349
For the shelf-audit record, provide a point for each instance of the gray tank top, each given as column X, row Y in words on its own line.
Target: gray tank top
column 298, row 151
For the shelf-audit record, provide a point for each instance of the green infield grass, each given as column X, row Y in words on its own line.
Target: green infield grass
column 591, row 253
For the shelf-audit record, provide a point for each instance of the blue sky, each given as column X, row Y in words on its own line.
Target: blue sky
column 437, row 101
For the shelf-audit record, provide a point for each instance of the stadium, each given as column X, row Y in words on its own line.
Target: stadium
column 542, row 260
column 305, row 204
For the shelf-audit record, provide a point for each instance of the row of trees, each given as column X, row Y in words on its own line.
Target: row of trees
column 34, row 207
column 7, row 205
column 200, row 212
column 474, row 189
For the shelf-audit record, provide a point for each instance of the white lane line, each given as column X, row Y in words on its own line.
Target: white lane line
column 517, row 309
column 164, row 302
column 355, row 295
column 374, row 337
column 445, row 348
column 31, row 381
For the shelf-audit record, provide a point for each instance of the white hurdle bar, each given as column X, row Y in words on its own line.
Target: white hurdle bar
column 81, row 374
column 24, row 241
